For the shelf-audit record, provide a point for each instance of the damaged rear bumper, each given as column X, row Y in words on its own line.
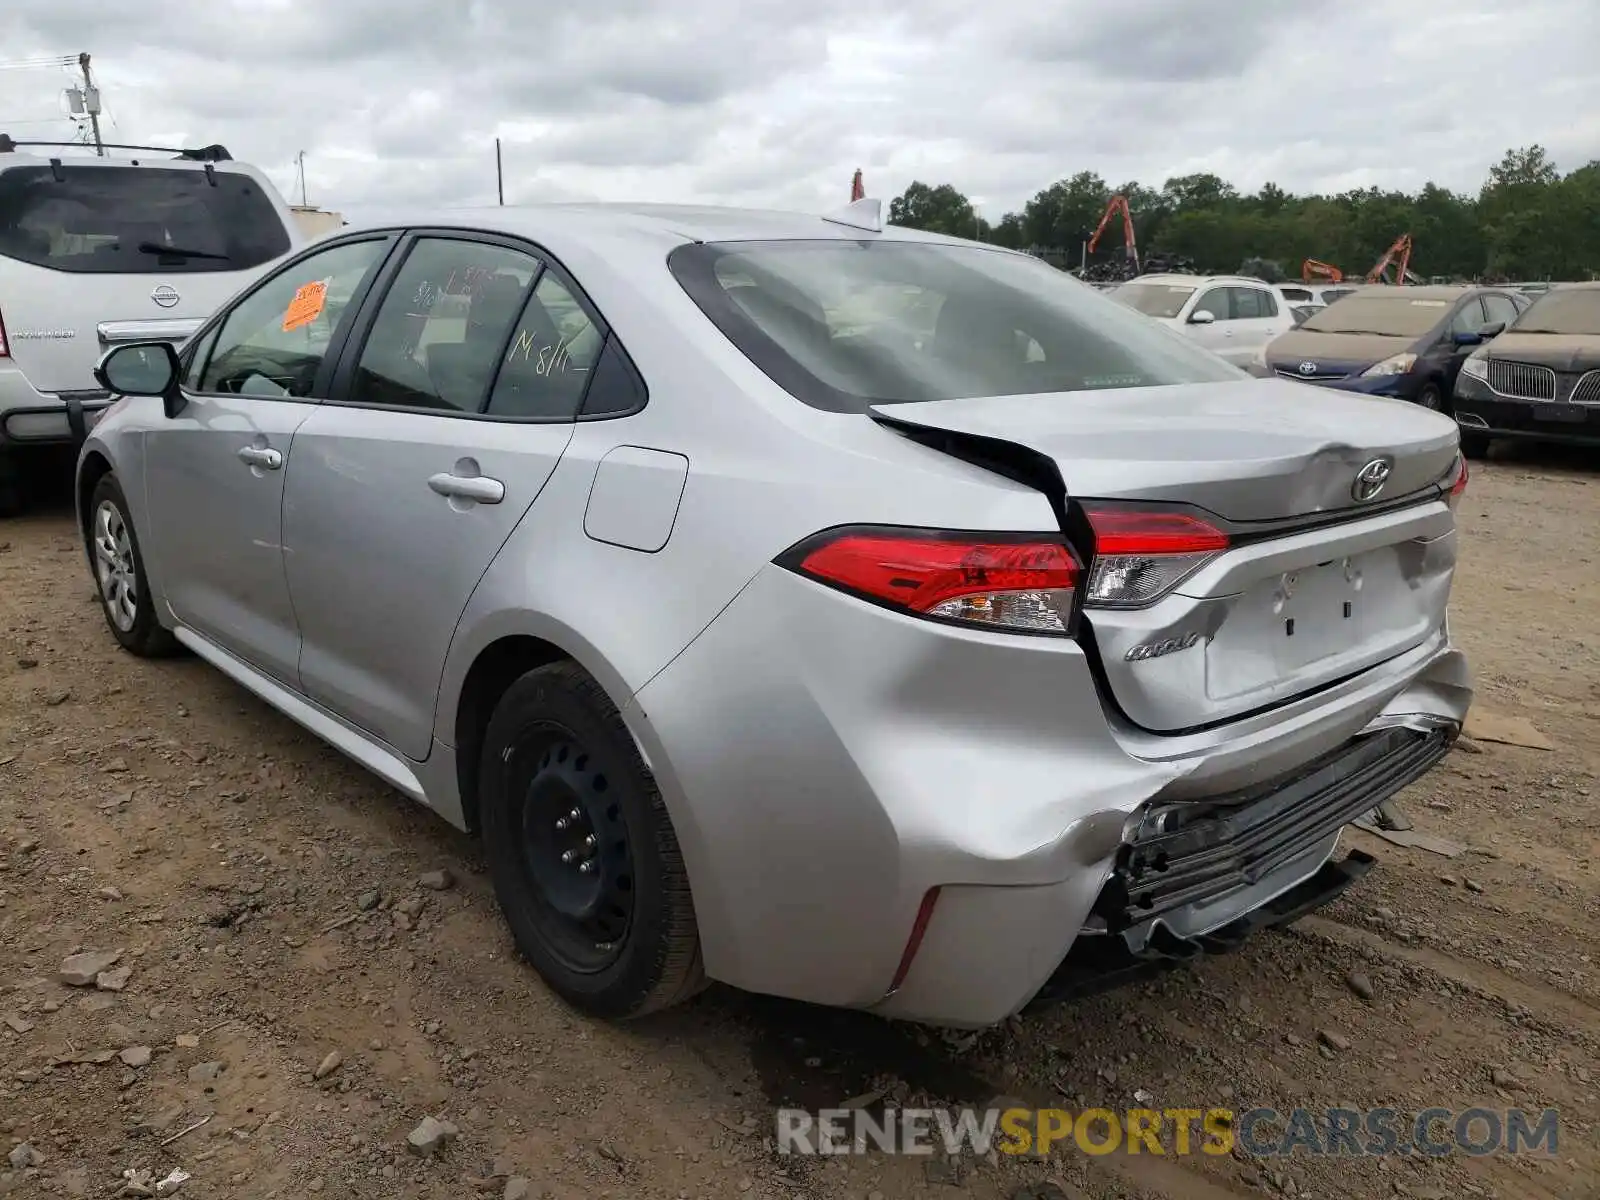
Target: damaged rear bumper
column 1199, row 877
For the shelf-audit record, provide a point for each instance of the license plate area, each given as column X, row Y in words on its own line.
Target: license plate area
column 1315, row 620
column 1559, row 412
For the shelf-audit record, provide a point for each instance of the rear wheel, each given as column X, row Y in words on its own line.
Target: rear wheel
column 120, row 577
column 585, row 861
column 11, row 497
column 1475, row 445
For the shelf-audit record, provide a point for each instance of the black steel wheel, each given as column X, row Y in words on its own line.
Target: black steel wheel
column 585, row 861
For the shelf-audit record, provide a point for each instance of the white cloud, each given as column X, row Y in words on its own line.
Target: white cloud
column 398, row 102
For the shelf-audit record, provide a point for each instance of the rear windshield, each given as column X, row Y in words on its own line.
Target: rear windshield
column 844, row 324
column 1395, row 315
column 137, row 220
column 1153, row 299
column 1576, row 311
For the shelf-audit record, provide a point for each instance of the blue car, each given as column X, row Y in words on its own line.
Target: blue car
column 1404, row 342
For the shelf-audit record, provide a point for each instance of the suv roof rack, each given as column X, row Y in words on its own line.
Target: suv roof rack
column 212, row 153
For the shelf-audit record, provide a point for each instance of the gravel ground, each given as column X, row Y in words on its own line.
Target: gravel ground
column 289, row 987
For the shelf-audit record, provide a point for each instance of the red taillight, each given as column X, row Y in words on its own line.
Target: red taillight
column 1141, row 555
column 1014, row 583
column 914, row 943
column 1459, row 487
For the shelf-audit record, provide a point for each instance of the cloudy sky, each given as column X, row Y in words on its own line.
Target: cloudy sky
column 769, row 103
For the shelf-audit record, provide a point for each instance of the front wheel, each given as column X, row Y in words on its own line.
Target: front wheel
column 1431, row 397
column 120, row 576
column 1474, row 445
column 585, row 860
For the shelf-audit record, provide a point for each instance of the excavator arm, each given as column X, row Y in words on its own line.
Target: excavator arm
column 1397, row 256
column 1118, row 204
column 1312, row 269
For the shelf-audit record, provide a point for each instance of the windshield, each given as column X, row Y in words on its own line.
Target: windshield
column 843, row 324
column 1391, row 316
column 1575, row 311
column 137, row 220
column 1153, row 299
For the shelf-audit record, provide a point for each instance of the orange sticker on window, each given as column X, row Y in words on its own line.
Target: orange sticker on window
column 306, row 306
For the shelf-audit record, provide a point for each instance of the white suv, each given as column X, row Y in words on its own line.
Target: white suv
column 1231, row 315
column 95, row 251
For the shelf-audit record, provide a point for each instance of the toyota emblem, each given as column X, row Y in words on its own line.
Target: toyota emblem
column 165, row 295
column 1371, row 479
column 1308, row 368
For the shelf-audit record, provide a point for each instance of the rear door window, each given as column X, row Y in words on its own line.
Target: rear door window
column 129, row 220
column 550, row 358
column 443, row 326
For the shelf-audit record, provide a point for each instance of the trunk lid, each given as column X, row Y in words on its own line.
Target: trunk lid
column 1313, row 588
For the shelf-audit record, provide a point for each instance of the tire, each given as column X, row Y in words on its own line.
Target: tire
column 1475, row 445
column 120, row 576
column 618, row 940
column 12, row 500
column 1431, row 397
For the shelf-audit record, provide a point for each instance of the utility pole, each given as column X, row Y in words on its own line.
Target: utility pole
column 300, row 159
column 91, row 102
column 499, row 174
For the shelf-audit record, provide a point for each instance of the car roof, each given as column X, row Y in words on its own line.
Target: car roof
column 164, row 159
column 1178, row 277
column 678, row 222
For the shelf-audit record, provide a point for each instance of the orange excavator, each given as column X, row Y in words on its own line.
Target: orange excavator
column 1119, row 204
column 1312, row 269
column 1397, row 256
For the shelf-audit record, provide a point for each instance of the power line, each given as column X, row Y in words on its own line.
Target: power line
column 34, row 64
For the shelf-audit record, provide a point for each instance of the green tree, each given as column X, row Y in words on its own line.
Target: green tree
column 1528, row 221
column 939, row 209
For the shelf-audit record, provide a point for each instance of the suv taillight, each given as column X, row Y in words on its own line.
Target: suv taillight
column 1141, row 555
column 1023, row 583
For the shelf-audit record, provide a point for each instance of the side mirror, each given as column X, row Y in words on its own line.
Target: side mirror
column 143, row 369
column 1491, row 331
column 1202, row 316
column 1464, row 338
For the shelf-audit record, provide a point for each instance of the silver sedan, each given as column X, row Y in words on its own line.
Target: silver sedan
column 833, row 610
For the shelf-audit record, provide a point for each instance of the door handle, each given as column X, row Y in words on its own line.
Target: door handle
column 478, row 488
column 264, row 457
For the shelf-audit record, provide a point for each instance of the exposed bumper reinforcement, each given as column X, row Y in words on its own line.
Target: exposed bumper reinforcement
column 1190, row 853
column 1102, row 962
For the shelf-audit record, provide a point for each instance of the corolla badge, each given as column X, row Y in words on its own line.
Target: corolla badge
column 1308, row 368
column 165, row 295
column 1370, row 480
column 1160, row 649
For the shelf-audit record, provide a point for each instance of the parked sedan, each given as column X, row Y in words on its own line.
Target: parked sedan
column 1538, row 380
column 1403, row 342
column 838, row 611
